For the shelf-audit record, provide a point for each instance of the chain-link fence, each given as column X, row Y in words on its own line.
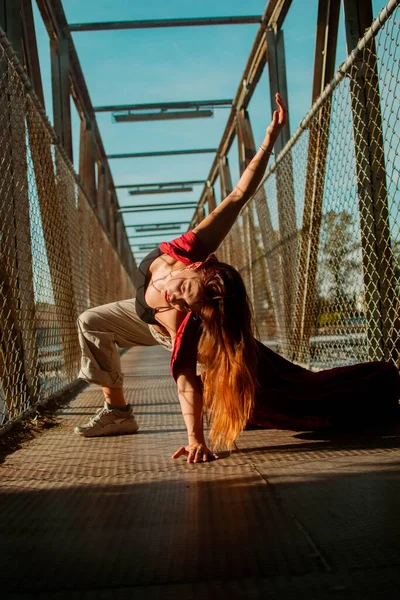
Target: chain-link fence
column 321, row 238
column 56, row 259
column 320, row 251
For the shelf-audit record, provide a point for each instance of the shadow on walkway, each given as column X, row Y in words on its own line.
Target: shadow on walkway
column 286, row 515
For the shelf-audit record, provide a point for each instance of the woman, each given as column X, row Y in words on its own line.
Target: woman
column 198, row 308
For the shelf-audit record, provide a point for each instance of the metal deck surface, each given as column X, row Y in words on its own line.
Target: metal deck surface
column 287, row 515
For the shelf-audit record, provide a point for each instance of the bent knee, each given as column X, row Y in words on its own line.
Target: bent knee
column 87, row 320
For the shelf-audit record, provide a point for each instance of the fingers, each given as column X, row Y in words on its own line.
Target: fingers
column 196, row 454
column 192, row 455
column 280, row 102
column 282, row 111
column 207, row 456
column 182, row 450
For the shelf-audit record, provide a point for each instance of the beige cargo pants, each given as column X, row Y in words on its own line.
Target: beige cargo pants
column 104, row 329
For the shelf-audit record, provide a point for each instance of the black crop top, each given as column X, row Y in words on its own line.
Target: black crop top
column 143, row 310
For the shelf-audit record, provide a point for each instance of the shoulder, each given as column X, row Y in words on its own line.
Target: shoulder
column 171, row 319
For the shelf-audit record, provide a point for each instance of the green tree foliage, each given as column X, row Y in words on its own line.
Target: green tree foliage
column 339, row 260
column 396, row 265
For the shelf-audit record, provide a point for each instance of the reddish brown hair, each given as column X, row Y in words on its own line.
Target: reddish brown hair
column 227, row 352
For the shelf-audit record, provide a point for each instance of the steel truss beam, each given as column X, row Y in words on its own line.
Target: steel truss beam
column 162, row 116
column 162, row 153
column 183, row 110
column 247, row 150
column 165, row 105
column 164, row 184
column 159, row 23
column 143, row 247
column 225, row 181
column 284, row 185
column 150, row 235
column 157, row 207
column 160, row 191
column 157, row 226
column 273, row 17
column 60, row 68
column 160, row 205
column 324, row 68
column 377, row 258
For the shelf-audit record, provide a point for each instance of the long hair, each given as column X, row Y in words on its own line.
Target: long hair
column 227, row 353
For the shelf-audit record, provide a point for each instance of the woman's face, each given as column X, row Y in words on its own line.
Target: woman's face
column 184, row 291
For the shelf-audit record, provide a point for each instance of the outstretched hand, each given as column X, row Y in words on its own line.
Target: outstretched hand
column 279, row 118
column 195, row 453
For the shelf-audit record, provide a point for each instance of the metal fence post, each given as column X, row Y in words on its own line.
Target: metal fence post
column 246, row 153
column 284, row 182
column 59, row 50
column 371, row 183
column 267, row 233
column 103, row 207
column 212, row 203
column 324, row 65
column 87, row 170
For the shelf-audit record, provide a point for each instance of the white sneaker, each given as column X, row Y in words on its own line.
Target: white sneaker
column 109, row 421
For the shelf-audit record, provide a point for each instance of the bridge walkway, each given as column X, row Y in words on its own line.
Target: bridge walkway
column 286, row 515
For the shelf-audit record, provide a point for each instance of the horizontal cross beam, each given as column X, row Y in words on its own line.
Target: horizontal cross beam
column 163, row 153
column 158, row 23
column 158, row 226
column 165, row 190
column 164, row 184
column 162, row 207
column 164, row 105
column 145, row 246
column 149, row 235
column 162, row 116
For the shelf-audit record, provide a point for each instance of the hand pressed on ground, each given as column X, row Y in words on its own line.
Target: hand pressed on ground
column 196, row 453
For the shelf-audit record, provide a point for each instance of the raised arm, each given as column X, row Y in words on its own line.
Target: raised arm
column 215, row 227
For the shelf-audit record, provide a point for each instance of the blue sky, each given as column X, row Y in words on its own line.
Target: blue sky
column 161, row 65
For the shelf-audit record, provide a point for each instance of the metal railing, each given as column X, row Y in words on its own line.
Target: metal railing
column 55, row 258
column 325, row 283
column 324, row 278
